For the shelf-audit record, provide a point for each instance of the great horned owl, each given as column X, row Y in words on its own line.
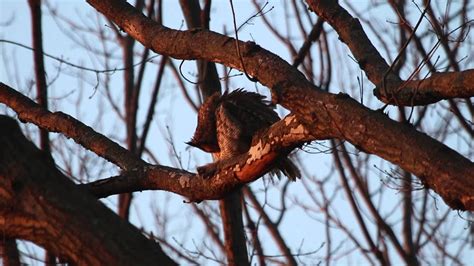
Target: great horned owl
column 227, row 123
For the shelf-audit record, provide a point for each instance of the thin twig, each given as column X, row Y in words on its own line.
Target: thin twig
column 237, row 44
column 78, row 66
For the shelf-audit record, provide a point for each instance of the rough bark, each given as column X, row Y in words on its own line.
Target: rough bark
column 437, row 87
column 40, row 204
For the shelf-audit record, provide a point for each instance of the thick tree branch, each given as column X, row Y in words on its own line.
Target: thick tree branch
column 439, row 167
column 40, row 204
column 29, row 111
column 437, row 87
column 389, row 87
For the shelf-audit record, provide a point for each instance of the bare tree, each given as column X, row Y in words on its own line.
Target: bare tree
column 418, row 126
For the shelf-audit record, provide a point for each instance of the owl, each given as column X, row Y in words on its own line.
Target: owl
column 227, row 123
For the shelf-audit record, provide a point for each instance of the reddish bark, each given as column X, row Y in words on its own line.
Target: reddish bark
column 437, row 87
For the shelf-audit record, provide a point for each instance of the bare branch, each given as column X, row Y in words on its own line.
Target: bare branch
column 40, row 204
column 390, row 88
column 437, row 87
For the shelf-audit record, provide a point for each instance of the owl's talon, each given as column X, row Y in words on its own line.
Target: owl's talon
column 207, row 171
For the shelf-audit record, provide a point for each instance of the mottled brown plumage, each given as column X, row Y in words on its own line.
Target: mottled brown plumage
column 227, row 123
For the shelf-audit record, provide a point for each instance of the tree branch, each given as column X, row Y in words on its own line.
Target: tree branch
column 29, row 111
column 390, row 88
column 437, row 87
column 38, row 203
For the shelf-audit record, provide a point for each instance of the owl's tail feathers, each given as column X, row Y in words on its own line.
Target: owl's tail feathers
column 288, row 168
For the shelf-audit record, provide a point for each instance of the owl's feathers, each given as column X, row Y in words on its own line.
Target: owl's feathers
column 227, row 123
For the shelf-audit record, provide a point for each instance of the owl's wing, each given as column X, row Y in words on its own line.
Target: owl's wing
column 232, row 137
column 251, row 109
column 240, row 115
